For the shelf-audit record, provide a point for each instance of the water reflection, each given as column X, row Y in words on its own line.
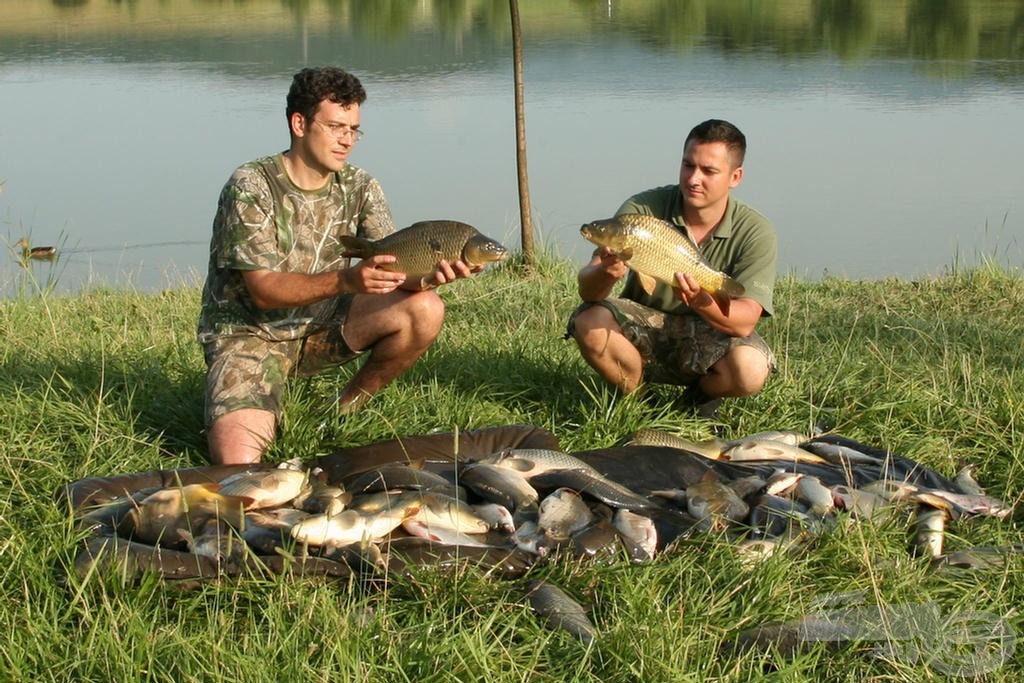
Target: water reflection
column 926, row 30
column 854, row 109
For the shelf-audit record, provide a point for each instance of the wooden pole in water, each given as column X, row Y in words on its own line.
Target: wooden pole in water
column 526, row 222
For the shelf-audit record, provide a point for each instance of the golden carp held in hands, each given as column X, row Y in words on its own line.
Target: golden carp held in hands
column 656, row 250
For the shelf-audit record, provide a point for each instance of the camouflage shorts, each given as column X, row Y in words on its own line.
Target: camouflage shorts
column 246, row 371
column 676, row 349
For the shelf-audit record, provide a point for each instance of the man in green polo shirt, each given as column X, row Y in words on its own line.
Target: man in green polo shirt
column 680, row 335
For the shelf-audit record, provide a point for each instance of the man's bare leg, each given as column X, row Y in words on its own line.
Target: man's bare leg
column 397, row 329
column 741, row 372
column 607, row 350
column 241, row 437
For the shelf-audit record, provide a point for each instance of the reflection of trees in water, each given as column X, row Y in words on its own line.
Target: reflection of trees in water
column 849, row 27
column 382, row 19
column 941, row 31
column 667, row 24
column 745, row 26
column 492, row 16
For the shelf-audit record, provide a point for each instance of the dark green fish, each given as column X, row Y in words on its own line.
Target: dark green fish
column 559, row 610
column 422, row 245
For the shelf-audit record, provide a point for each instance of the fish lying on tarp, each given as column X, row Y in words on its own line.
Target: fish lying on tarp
column 506, row 504
column 419, row 247
column 656, row 250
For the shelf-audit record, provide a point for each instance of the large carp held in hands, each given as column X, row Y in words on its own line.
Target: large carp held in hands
column 656, row 250
column 419, row 247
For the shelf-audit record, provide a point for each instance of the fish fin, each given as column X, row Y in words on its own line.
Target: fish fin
column 730, row 289
column 647, row 282
column 733, row 288
column 625, row 254
column 518, row 464
column 356, row 247
column 723, row 300
column 244, row 501
column 420, row 530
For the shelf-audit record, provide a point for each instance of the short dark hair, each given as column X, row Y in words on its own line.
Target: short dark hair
column 717, row 130
column 313, row 85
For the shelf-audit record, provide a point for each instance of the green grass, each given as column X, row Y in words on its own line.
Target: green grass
column 110, row 382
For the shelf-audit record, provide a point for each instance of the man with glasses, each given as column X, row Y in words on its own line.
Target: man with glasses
column 680, row 335
column 280, row 297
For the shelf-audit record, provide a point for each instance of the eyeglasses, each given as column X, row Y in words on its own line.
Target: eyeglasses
column 339, row 131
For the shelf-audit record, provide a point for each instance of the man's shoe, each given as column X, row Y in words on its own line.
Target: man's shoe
column 709, row 409
column 705, row 406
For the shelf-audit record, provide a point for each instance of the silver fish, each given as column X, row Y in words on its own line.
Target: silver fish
column 638, row 529
column 863, row 504
column 782, row 482
column 266, row 488
column 502, row 485
column 323, row 498
column 811, row 491
column 497, row 516
column 444, row 536
column 837, row 454
column 966, row 482
column 791, row 438
column 350, row 526
column 562, row 513
column 769, row 450
column 215, row 540
column 929, row 531
column 710, row 448
column 715, row 504
column 443, row 512
column 531, row 462
column 971, row 504
column 419, row 247
column 656, row 250
column 529, row 538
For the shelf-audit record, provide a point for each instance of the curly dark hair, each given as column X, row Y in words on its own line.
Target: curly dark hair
column 717, row 130
column 313, row 85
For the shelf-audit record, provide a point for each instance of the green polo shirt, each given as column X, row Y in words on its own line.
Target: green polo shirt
column 743, row 246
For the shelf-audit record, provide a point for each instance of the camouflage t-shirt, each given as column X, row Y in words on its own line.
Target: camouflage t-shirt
column 265, row 222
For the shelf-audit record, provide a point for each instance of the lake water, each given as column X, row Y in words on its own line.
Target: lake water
column 884, row 136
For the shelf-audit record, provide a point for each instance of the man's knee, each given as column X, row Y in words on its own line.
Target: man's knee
column 425, row 313
column 591, row 326
column 742, row 372
column 241, row 436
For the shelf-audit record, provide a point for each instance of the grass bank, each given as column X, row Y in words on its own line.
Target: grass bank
column 110, row 382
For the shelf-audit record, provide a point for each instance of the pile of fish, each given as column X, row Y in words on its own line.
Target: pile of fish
column 508, row 510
